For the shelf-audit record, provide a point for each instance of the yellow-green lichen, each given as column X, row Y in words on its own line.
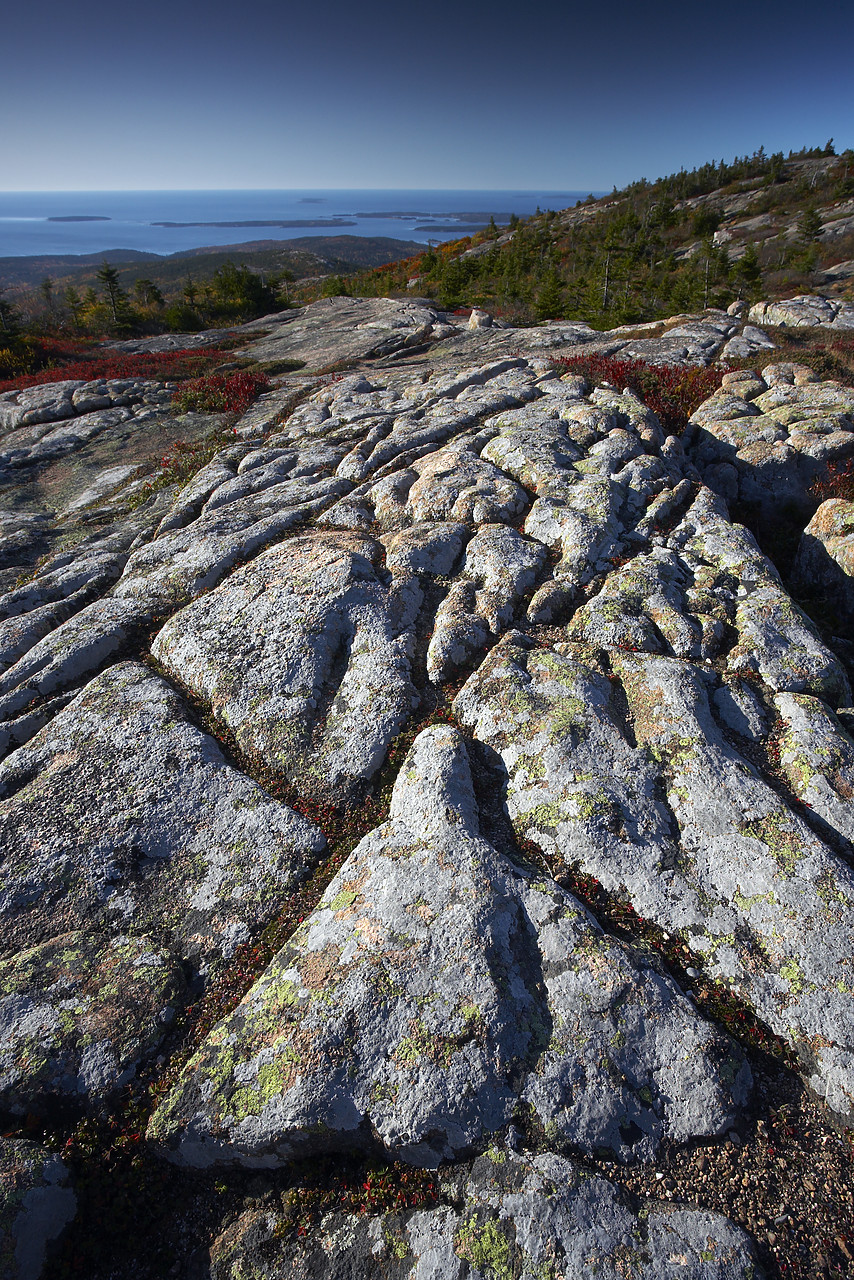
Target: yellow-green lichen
column 486, row 1247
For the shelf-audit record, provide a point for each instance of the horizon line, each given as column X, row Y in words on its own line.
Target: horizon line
column 71, row 191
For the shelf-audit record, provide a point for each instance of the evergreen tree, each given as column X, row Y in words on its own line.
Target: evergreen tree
column 147, row 293
column 108, row 278
column 809, row 225
column 748, row 271
column 75, row 305
column 8, row 318
column 46, row 290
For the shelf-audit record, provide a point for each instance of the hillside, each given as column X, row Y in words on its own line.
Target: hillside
column 312, row 256
column 427, row 756
column 763, row 226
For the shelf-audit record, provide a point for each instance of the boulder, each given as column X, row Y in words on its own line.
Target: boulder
column 305, row 655
column 37, row 1203
column 824, row 564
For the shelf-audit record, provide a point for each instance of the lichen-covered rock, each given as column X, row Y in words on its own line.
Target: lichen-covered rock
column 779, row 642
column 120, row 815
column 737, row 584
column 184, row 561
column 78, row 1013
column 648, row 796
column 426, row 548
column 817, row 756
column 36, row 1205
column 434, row 989
column 335, row 329
column 72, row 651
column 802, row 312
column 499, row 568
column 642, row 606
column 535, row 1219
column 773, row 437
column 305, row 655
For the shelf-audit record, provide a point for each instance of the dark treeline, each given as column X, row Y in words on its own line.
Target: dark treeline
column 107, row 308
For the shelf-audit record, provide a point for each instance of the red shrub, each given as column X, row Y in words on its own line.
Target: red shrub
column 673, row 392
column 221, row 393
column 75, row 361
column 837, row 483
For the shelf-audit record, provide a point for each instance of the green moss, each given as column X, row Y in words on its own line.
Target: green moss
column 745, row 903
column 792, row 972
column 544, row 816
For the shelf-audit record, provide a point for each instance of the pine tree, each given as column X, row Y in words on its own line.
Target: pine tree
column 74, row 304
column 108, row 277
column 809, row 226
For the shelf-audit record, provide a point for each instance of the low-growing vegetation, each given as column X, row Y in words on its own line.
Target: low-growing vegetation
column 221, row 392
column 45, row 360
column 673, row 392
column 837, row 483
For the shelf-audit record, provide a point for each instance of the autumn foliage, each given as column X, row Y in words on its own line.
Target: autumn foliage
column 221, row 393
column 53, row 361
column 673, row 392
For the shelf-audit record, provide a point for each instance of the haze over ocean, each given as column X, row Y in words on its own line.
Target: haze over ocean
column 47, row 222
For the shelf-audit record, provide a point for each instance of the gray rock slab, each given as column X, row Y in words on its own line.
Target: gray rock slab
column 103, row 483
column 663, row 810
column 433, row 548
column 181, row 563
column 62, row 438
column 305, row 655
column 824, row 563
column 433, row 989
column 499, row 568
column 336, row 329
column 775, row 442
column 802, row 312
column 74, row 650
column 49, row 403
column 121, row 815
column 817, row 756
column 78, row 1014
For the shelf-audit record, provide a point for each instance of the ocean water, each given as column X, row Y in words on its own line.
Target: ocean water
column 66, row 222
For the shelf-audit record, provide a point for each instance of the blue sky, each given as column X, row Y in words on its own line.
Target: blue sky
column 98, row 96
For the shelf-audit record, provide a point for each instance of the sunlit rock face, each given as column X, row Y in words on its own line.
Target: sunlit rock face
column 350, row 710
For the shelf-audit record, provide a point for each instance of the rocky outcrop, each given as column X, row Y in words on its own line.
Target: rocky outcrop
column 764, row 440
column 462, row 989
column 804, row 312
column 134, row 856
column 824, row 564
column 497, row 633
column 36, row 1204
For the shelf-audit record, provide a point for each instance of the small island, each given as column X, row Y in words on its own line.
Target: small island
column 80, row 217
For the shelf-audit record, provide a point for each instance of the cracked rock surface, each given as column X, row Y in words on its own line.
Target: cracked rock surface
column 458, row 986
column 526, row 1218
column 323, row 742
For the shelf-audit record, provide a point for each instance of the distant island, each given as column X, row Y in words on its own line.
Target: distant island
column 294, row 222
column 80, row 217
column 462, row 227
